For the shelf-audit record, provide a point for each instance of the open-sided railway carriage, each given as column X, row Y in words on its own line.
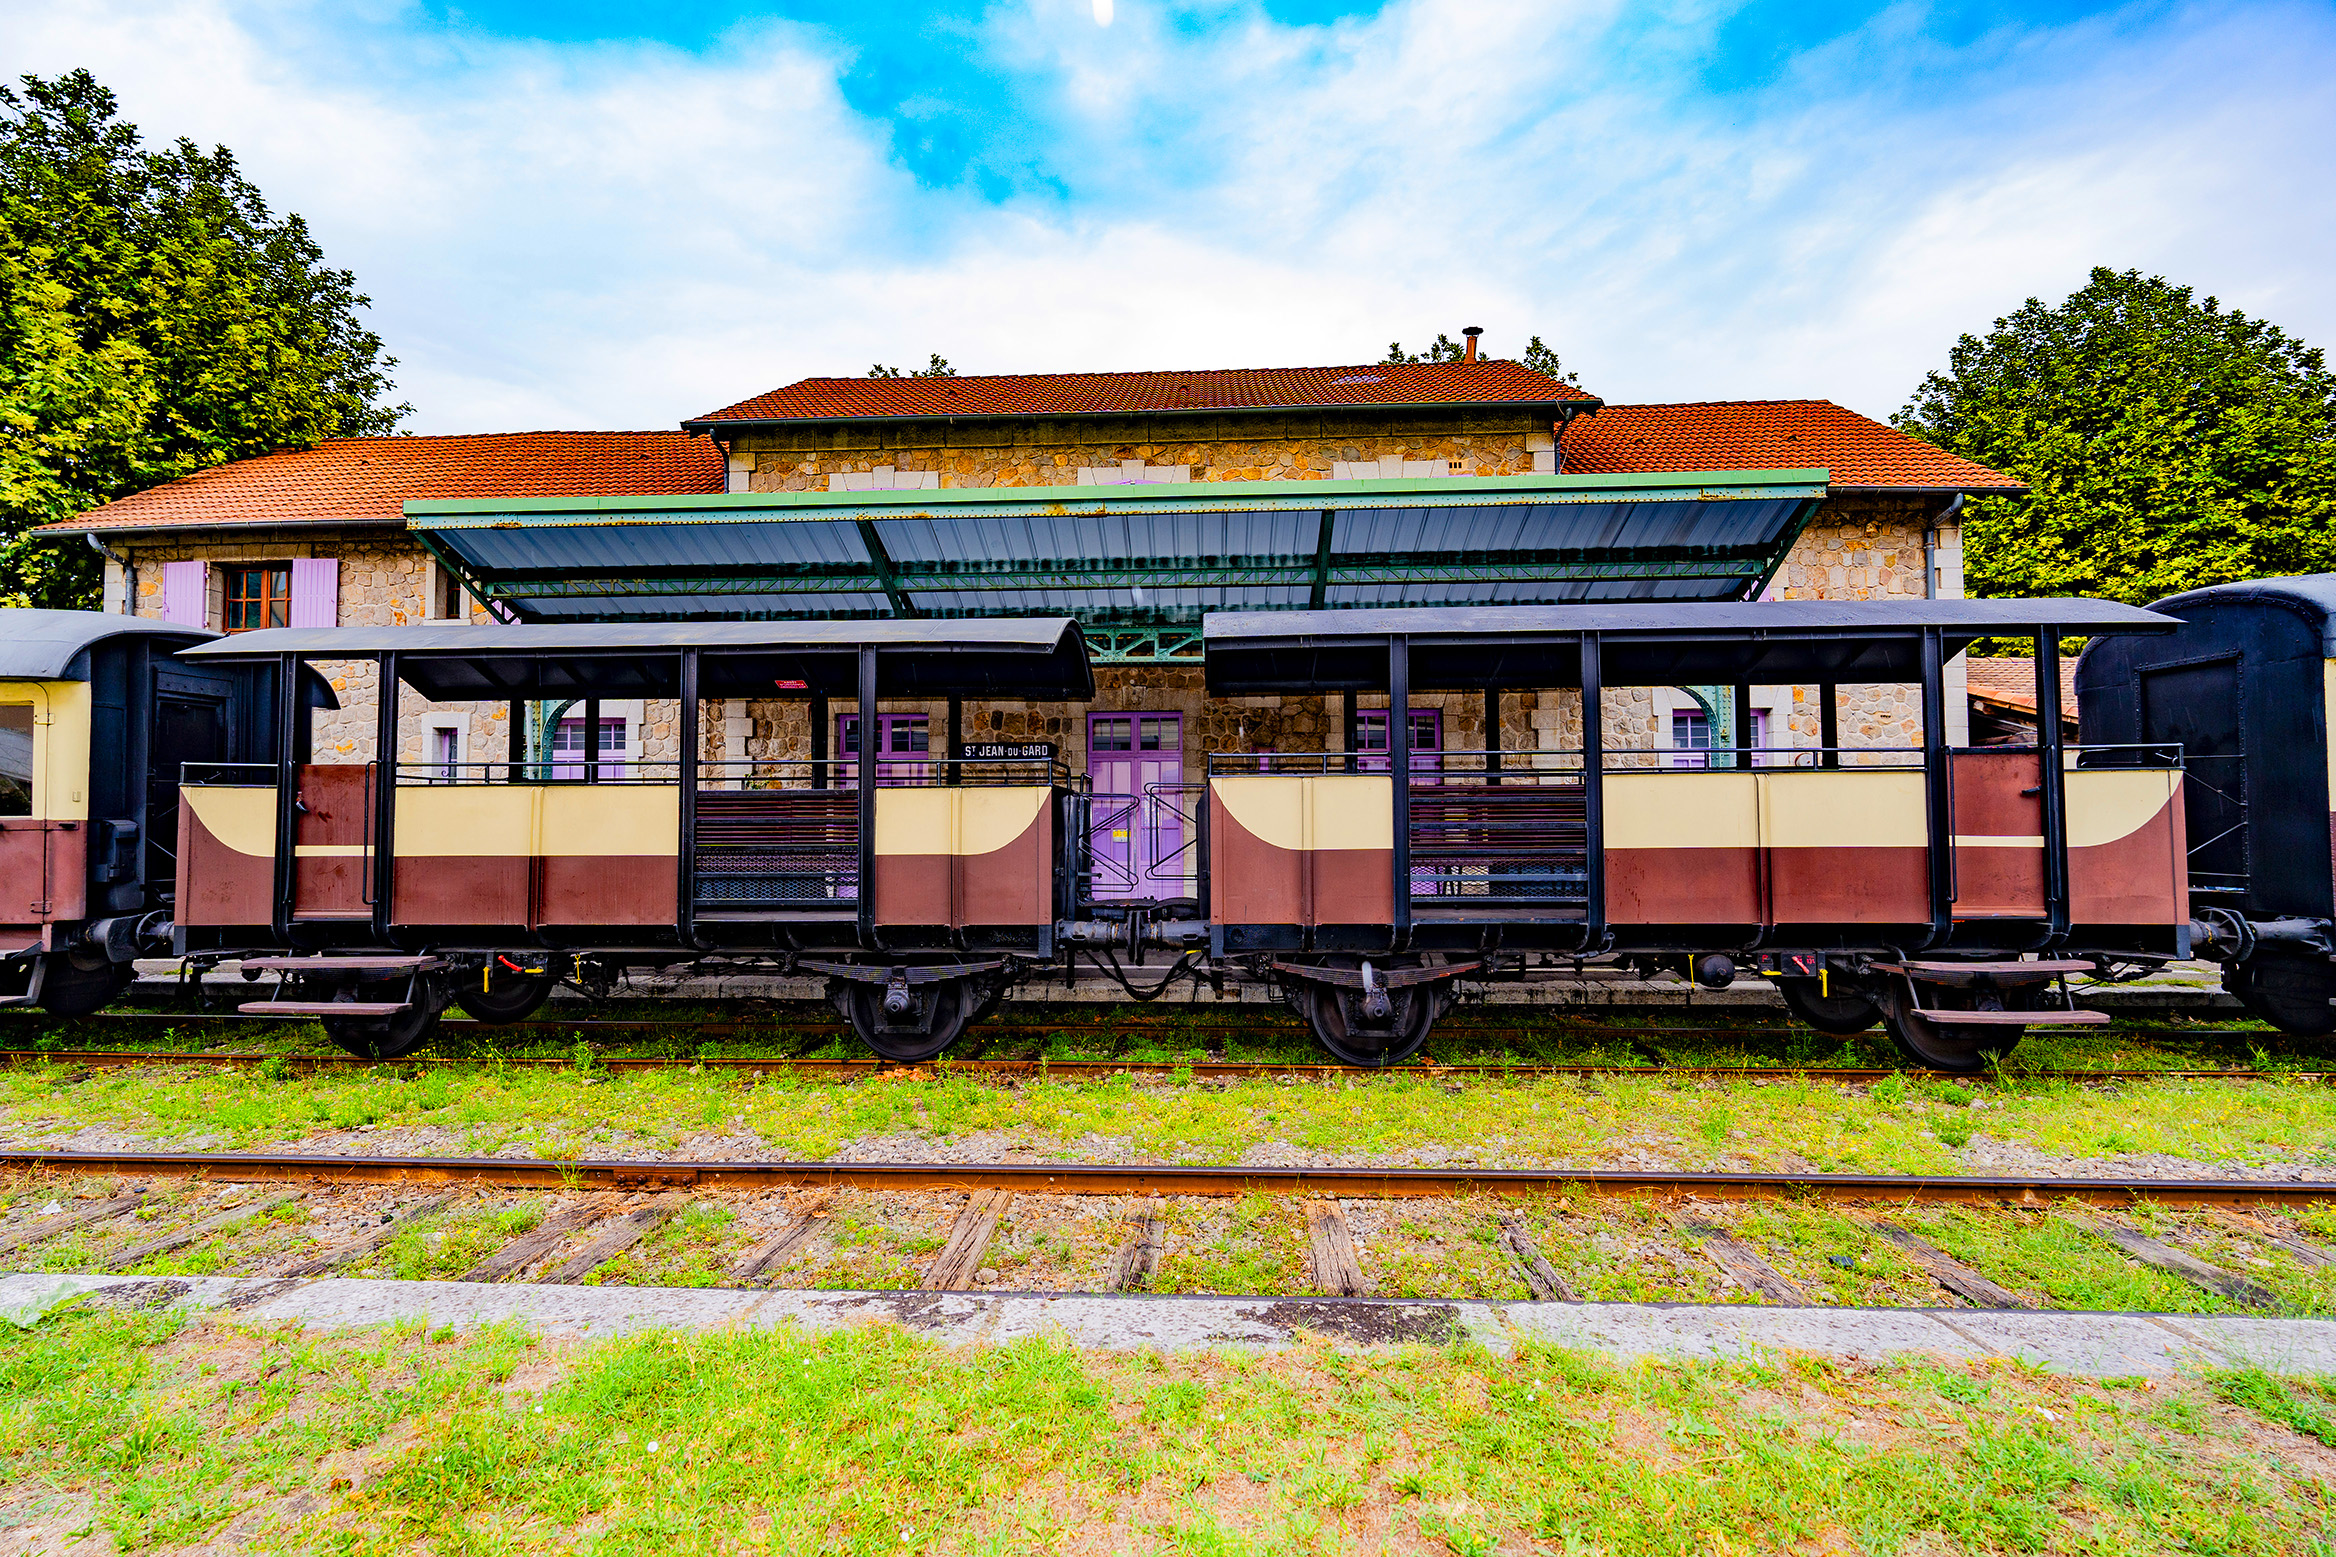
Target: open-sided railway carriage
column 1941, row 892
column 392, row 889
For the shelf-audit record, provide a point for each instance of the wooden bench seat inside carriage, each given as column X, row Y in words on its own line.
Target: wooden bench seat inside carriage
column 1912, row 885
column 2245, row 688
column 391, row 889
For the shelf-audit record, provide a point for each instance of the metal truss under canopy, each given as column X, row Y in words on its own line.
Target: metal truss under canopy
column 1138, row 566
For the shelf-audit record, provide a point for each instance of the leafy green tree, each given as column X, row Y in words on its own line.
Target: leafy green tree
column 156, row 318
column 937, row 368
column 2166, row 443
column 1537, row 356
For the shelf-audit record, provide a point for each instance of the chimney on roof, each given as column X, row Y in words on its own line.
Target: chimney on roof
column 1472, row 331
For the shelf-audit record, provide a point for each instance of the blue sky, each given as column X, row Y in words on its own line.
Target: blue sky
column 601, row 214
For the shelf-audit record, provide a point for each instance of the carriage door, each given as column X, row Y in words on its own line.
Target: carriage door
column 1131, row 829
column 2198, row 706
column 190, row 726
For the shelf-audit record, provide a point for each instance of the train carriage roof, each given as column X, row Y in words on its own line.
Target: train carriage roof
column 1034, row 658
column 51, row 645
column 1765, row 642
column 2311, row 596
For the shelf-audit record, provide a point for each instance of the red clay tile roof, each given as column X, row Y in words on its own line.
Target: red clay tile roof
column 2011, row 683
column 1097, row 394
column 1768, row 435
column 369, row 478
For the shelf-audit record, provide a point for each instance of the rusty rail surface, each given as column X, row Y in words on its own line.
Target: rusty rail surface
column 875, row 1069
column 1140, row 1179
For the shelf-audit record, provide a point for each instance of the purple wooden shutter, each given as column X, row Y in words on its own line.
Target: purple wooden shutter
column 316, row 592
column 186, row 594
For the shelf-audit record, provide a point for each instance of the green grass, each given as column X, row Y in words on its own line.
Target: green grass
column 160, row 1434
column 1900, row 1125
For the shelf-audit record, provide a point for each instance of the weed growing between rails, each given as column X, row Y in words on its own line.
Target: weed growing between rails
column 1903, row 1124
column 157, row 1432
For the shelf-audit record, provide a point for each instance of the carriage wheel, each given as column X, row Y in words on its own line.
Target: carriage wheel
column 1335, row 1012
column 2290, row 993
column 70, row 990
column 381, row 1038
column 507, row 997
column 1846, row 1011
column 938, row 1013
column 1947, row 1046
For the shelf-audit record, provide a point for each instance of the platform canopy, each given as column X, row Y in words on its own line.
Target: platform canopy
column 1138, row 566
column 1022, row 658
column 1767, row 643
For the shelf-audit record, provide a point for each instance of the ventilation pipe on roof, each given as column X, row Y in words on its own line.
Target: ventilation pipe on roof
column 1930, row 545
column 129, row 571
column 1472, row 331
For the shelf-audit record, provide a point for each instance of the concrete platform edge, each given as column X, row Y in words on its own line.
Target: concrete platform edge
column 2092, row 1344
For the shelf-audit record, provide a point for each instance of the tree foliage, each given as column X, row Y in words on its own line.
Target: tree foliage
column 1537, row 356
column 156, row 318
column 937, row 368
column 2166, row 443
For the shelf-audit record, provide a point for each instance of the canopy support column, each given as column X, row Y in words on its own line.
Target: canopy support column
column 1829, row 724
column 1937, row 779
column 865, row 770
column 1593, row 681
column 819, row 730
column 2054, row 782
column 383, row 850
column 1399, row 775
column 1492, row 735
column 685, row 900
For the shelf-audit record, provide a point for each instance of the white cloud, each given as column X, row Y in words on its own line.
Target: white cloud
column 625, row 235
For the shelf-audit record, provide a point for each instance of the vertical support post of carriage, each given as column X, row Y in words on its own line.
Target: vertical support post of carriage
column 956, row 739
column 1937, row 788
column 1399, row 775
column 383, row 850
column 865, row 771
column 1829, row 724
column 515, row 743
column 1492, row 735
column 819, row 724
column 1593, row 680
column 1346, row 726
column 288, row 714
column 592, row 740
column 1740, row 715
column 685, row 899
column 2054, row 782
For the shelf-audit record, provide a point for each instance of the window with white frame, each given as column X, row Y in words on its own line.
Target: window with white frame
column 446, row 753
column 1133, row 473
column 885, row 478
column 1691, row 736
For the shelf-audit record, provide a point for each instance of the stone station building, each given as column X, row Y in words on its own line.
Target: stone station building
column 387, row 530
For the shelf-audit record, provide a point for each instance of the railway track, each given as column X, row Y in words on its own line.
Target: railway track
column 1363, row 1183
column 866, row 1069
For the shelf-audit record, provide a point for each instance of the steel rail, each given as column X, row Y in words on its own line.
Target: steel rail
column 1144, row 1179
column 1593, row 1026
column 871, row 1068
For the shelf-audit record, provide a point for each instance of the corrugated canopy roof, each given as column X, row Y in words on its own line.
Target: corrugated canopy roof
column 47, row 645
column 1765, row 642
column 1031, row 658
column 1155, row 554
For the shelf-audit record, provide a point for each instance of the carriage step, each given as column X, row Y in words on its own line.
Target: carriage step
column 323, row 1007
column 385, row 963
column 2001, row 972
column 2013, row 1018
